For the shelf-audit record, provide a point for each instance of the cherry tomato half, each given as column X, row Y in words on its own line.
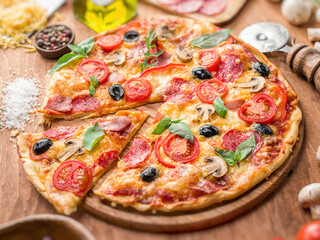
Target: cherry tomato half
column 280, row 97
column 72, row 176
column 261, row 109
column 310, row 231
column 178, row 149
column 208, row 91
column 209, row 59
column 109, row 42
column 93, row 67
column 137, row 89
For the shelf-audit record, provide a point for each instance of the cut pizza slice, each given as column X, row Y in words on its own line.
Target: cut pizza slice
column 63, row 163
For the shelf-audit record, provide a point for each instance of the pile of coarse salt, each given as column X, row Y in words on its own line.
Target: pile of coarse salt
column 19, row 99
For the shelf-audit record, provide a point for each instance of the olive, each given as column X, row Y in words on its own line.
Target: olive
column 261, row 68
column 131, row 36
column 149, row 174
column 42, row 146
column 201, row 73
column 116, row 91
column 262, row 129
column 208, row 131
column 40, row 42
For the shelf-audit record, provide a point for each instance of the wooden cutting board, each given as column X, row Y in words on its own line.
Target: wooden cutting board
column 191, row 220
column 231, row 11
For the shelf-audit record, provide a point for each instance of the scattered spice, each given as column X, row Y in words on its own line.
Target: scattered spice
column 19, row 99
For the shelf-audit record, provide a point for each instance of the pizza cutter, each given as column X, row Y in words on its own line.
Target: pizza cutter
column 270, row 37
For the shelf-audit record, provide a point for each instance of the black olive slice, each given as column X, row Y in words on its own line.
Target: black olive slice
column 116, row 92
column 261, row 68
column 201, row 73
column 149, row 174
column 42, row 146
column 263, row 129
column 208, row 131
column 131, row 36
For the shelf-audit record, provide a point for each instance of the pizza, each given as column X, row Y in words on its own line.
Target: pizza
column 63, row 168
column 228, row 119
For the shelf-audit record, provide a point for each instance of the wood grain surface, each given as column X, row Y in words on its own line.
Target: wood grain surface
column 232, row 10
column 279, row 215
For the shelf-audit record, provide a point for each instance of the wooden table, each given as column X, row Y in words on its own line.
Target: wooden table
column 277, row 216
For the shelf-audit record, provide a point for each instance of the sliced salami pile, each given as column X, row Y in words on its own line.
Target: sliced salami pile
column 206, row 7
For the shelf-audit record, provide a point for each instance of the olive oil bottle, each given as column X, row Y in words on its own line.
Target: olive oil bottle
column 102, row 15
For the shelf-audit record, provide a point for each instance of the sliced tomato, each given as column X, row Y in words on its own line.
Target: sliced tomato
column 178, row 149
column 209, row 59
column 280, row 97
column 310, row 231
column 208, row 91
column 162, row 69
column 261, row 109
column 72, row 176
column 137, row 89
column 93, row 67
column 109, row 42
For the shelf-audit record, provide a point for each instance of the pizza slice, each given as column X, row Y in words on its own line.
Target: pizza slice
column 63, row 163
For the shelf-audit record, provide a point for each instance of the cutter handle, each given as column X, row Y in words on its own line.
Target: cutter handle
column 305, row 60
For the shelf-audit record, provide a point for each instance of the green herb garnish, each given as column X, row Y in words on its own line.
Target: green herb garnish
column 80, row 51
column 219, row 107
column 176, row 127
column 94, row 82
column 211, row 39
column 243, row 151
column 149, row 39
column 92, row 136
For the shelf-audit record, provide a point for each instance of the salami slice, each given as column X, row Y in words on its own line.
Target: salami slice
column 188, row 6
column 206, row 186
column 234, row 105
column 213, row 7
column 116, row 124
column 169, row 2
column 179, row 90
column 116, row 77
column 230, row 68
column 139, row 152
column 85, row 104
column 106, row 158
column 234, row 137
column 59, row 104
column 60, row 133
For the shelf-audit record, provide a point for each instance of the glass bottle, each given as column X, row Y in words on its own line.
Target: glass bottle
column 102, row 15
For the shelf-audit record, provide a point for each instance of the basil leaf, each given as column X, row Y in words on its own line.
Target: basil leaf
column 211, row 39
column 182, row 129
column 64, row 60
column 94, row 82
column 176, row 121
column 219, row 106
column 245, row 148
column 92, row 136
column 87, row 42
column 76, row 49
column 162, row 126
column 228, row 156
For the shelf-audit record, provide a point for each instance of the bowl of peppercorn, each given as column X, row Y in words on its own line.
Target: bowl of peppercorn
column 52, row 41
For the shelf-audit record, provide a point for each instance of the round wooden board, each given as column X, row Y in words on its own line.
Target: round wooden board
column 190, row 220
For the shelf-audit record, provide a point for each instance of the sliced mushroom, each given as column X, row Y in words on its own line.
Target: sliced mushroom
column 205, row 111
column 117, row 58
column 73, row 147
column 164, row 32
column 255, row 84
column 309, row 197
column 215, row 166
column 185, row 54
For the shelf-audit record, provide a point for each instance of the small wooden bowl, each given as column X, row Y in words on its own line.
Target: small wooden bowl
column 44, row 227
column 54, row 54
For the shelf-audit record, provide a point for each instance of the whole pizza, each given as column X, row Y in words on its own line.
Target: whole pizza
column 228, row 119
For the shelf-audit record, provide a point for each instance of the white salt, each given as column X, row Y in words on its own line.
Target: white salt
column 19, row 99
